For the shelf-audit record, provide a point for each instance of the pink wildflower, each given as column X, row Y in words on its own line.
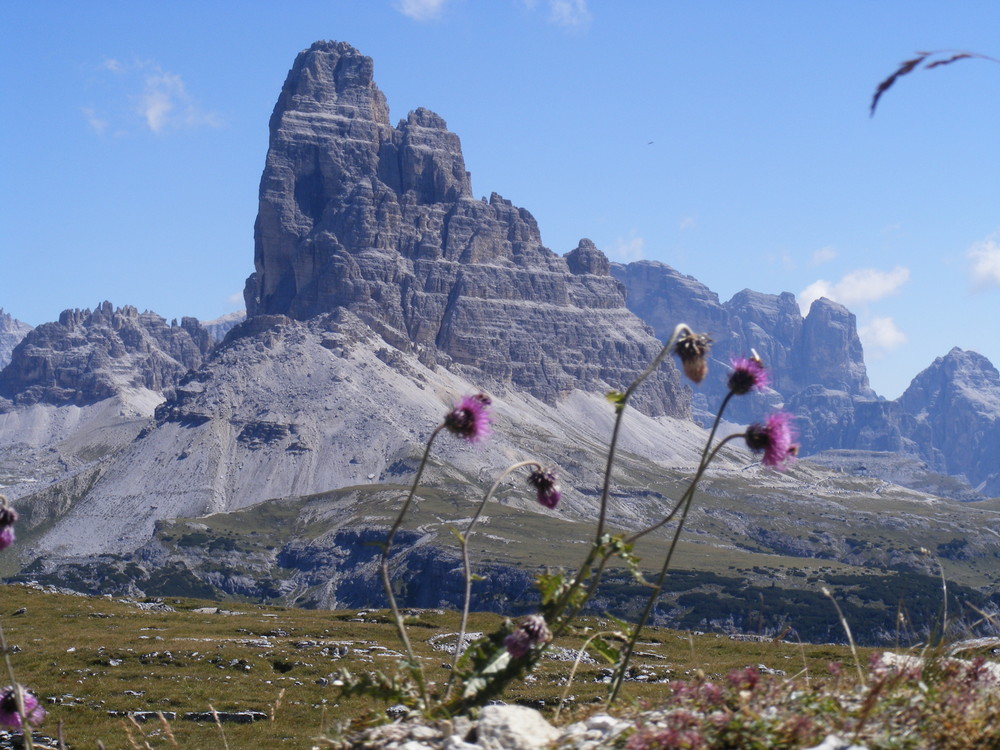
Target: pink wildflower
column 9, row 717
column 470, row 419
column 547, row 485
column 748, row 374
column 775, row 439
column 530, row 632
column 8, row 517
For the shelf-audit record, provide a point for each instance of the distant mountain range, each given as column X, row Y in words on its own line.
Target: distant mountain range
column 382, row 291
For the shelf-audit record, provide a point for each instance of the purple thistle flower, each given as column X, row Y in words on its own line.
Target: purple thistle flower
column 775, row 439
column 693, row 352
column 517, row 644
column 547, row 485
column 470, row 419
column 8, row 517
column 748, row 373
column 9, row 717
column 530, row 632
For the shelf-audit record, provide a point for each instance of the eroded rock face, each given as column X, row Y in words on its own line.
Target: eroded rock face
column 88, row 356
column 949, row 418
column 815, row 363
column 381, row 220
column 955, row 405
column 11, row 333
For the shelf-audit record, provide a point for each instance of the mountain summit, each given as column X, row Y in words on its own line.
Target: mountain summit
column 381, row 220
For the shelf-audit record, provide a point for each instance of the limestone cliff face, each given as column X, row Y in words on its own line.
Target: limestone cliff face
column 949, row 418
column 11, row 333
column 381, row 220
column 88, row 356
column 815, row 364
column 955, row 405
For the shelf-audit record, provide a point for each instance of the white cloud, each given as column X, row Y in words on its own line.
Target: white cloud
column 97, row 123
column 984, row 263
column 165, row 102
column 157, row 101
column 812, row 293
column 628, row 250
column 823, row 255
column 572, row 14
column 881, row 335
column 420, row 10
column 688, row 222
column 870, row 284
column 857, row 287
column 235, row 299
column 142, row 89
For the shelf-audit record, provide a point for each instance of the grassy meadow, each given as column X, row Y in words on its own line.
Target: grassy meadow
column 93, row 660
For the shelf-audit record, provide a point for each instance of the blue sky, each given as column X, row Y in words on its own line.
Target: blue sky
column 730, row 140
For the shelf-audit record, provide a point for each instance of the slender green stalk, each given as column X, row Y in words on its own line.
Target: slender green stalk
column 686, row 502
column 576, row 665
column 847, row 630
column 702, row 465
column 468, row 568
column 18, row 693
column 559, row 622
column 620, row 411
column 384, row 565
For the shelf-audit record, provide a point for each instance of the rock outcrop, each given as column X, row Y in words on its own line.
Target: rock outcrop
column 815, row 362
column 955, row 425
column 949, row 418
column 381, row 220
column 88, row 356
column 11, row 333
column 219, row 327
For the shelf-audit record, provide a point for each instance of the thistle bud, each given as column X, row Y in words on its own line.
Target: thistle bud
column 692, row 349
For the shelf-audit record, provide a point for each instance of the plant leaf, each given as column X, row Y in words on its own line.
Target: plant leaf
column 605, row 650
column 616, row 399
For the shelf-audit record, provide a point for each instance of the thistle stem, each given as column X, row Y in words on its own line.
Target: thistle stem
column 18, row 693
column 685, row 503
column 702, row 465
column 468, row 568
column 566, row 598
column 384, row 566
column 619, row 413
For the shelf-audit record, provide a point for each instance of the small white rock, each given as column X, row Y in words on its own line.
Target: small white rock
column 514, row 728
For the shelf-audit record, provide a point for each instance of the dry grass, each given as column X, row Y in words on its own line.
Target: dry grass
column 85, row 657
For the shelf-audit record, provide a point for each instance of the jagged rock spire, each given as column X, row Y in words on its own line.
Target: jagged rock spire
column 381, row 220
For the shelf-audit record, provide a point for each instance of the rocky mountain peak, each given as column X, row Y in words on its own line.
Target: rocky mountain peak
column 831, row 351
column 586, row 258
column 12, row 331
column 430, row 161
column 91, row 355
column 955, row 404
column 959, row 376
column 381, row 221
column 332, row 79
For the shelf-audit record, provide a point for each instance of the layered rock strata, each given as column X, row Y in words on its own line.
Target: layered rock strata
column 88, row 356
column 948, row 418
column 12, row 331
column 381, row 220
